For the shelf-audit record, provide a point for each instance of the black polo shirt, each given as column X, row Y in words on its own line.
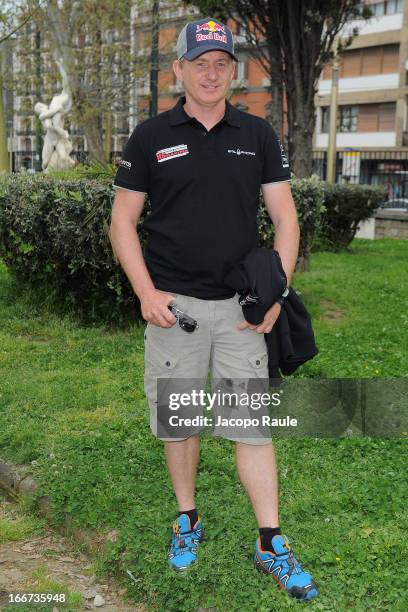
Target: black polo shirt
column 204, row 190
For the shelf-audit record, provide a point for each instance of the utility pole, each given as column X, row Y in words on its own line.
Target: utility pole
column 154, row 60
column 39, row 141
column 3, row 128
column 331, row 150
column 11, row 137
column 108, row 135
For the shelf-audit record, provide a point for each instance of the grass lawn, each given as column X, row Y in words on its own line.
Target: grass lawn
column 72, row 402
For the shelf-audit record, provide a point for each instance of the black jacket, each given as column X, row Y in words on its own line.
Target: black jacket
column 261, row 280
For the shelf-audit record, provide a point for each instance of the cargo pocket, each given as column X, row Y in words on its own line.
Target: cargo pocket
column 259, row 362
column 259, row 367
column 164, row 378
column 160, row 367
column 259, row 381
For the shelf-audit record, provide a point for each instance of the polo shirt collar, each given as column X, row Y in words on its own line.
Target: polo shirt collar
column 178, row 115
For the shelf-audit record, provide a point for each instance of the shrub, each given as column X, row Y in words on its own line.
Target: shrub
column 308, row 196
column 346, row 206
column 54, row 236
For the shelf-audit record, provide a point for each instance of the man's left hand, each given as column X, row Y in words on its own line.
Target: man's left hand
column 269, row 320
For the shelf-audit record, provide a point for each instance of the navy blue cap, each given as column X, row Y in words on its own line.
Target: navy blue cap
column 204, row 35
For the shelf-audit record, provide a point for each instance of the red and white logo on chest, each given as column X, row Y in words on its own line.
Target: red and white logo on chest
column 171, row 152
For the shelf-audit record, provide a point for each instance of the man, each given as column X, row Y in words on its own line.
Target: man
column 203, row 164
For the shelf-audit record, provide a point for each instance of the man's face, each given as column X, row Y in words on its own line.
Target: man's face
column 208, row 77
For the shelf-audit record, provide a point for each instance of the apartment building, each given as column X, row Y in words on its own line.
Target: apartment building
column 372, row 129
column 372, row 137
column 36, row 79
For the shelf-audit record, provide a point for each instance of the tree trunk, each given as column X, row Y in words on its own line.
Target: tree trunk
column 108, row 135
column 275, row 75
column 4, row 159
column 154, row 61
column 94, row 140
column 59, row 34
column 275, row 117
column 39, row 140
column 300, row 141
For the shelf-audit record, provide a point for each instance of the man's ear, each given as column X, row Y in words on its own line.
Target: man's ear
column 177, row 70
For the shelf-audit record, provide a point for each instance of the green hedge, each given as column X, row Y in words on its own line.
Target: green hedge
column 346, row 206
column 308, row 197
column 54, row 236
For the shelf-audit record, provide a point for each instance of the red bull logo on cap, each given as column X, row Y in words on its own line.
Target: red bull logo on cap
column 210, row 26
column 215, row 32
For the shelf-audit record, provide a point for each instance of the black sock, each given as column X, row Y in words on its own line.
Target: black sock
column 267, row 533
column 192, row 514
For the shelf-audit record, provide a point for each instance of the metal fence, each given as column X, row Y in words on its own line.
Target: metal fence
column 26, row 159
column 388, row 168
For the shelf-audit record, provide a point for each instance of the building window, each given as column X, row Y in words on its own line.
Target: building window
column 240, row 34
column 240, row 81
column 363, row 118
column 122, row 123
column 26, row 124
column 378, row 9
column 325, row 114
column 381, row 59
column 389, row 7
column 348, row 118
column 242, row 30
column 377, row 117
column 386, row 117
column 242, row 107
column 121, row 144
column 241, row 70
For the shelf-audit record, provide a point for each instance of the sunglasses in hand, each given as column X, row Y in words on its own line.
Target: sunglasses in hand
column 187, row 323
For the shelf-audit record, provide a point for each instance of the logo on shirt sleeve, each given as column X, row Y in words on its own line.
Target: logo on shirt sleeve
column 284, row 157
column 125, row 164
column 172, row 152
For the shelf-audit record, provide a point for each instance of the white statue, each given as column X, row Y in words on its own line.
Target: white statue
column 57, row 146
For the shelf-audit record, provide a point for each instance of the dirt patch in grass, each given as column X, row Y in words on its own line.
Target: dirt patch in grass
column 331, row 312
column 34, row 338
column 39, row 560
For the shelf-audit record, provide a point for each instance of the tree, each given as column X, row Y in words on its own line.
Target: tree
column 92, row 37
column 154, row 60
column 83, row 35
column 9, row 25
column 292, row 41
column 4, row 161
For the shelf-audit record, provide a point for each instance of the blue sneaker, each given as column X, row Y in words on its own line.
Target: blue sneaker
column 183, row 548
column 285, row 569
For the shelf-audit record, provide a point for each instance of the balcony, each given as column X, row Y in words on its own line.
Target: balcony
column 240, row 84
column 365, row 84
column 374, row 25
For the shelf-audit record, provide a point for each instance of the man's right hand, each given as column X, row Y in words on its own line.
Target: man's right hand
column 154, row 308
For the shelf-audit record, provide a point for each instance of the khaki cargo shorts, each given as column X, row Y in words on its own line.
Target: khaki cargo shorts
column 231, row 356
